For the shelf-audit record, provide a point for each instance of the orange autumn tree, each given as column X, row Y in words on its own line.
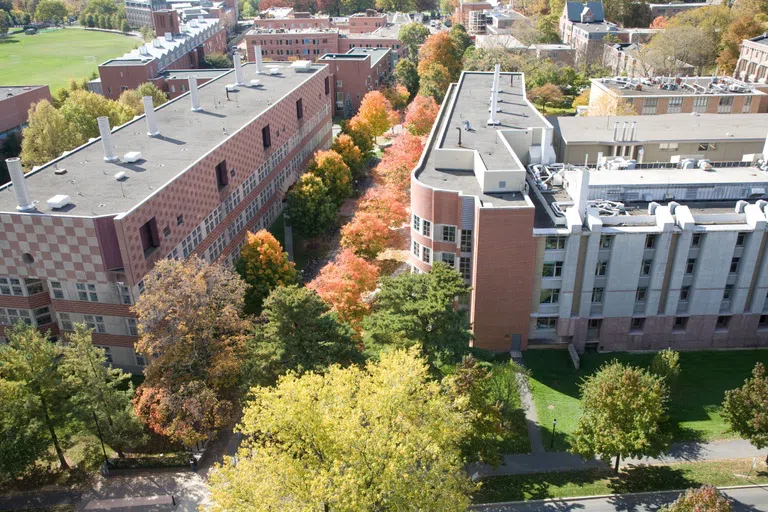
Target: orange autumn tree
column 342, row 284
column 264, row 266
column 397, row 96
column 421, row 115
column 394, row 170
column 386, row 204
column 366, row 234
column 659, row 22
column 350, row 153
column 376, row 111
column 440, row 49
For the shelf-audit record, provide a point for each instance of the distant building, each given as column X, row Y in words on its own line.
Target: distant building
column 473, row 16
column 753, row 61
column 671, row 9
column 667, row 95
column 355, row 73
column 15, row 102
column 559, row 53
column 370, row 21
column 621, row 59
column 139, row 13
column 292, row 23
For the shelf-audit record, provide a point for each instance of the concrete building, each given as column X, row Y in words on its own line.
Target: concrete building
column 623, row 59
column 558, row 53
column 138, row 13
column 617, row 256
column 668, row 95
column 671, row 9
column 355, row 73
column 182, row 46
column 15, row 102
column 752, row 65
column 78, row 235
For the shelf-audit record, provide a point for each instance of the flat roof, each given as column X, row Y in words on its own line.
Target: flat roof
column 376, row 54
column 281, row 31
column 761, row 39
column 677, row 177
column 649, row 87
column 664, row 128
column 199, row 73
column 185, row 138
column 471, row 104
column 15, row 90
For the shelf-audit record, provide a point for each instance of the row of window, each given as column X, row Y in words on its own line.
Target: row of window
column 447, row 233
column 36, row 317
column 637, row 324
column 556, row 242
column 20, row 287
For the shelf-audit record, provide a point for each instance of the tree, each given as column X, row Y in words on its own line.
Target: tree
column 582, row 100
column 343, row 282
column 310, row 207
column 666, row 364
column 418, row 309
column 407, row 75
column 624, row 414
column 397, row 96
column 668, row 49
column 264, row 266
column 48, row 10
column 217, row 61
column 125, row 27
column 412, row 35
column 83, row 108
column 434, row 80
column 659, row 23
column 705, row 498
column 25, row 437
column 133, row 98
column 440, row 49
column 90, row 20
column 384, row 203
column 30, row 363
column 744, row 408
column 101, row 393
column 607, row 105
column 329, row 166
column 189, row 323
column 351, row 154
column 638, row 16
column 421, row 115
column 47, row 135
column 397, row 163
column 383, row 436
column 376, row 111
column 147, row 33
column 546, row 94
column 460, row 38
column 361, row 134
column 547, row 30
column 3, row 23
column 366, row 234
column 739, row 30
column 395, row 5
column 298, row 333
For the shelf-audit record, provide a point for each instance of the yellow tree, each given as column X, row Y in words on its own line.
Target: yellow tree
column 133, row 97
column 47, row 135
column 350, row 153
column 381, row 437
column 607, row 105
column 398, row 96
column 376, row 111
column 440, row 49
column 546, row 94
column 329, row 166
column 264, row 266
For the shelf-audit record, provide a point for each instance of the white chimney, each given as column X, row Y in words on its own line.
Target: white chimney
column 238, row 69
column 151, row 117
column 497, row 77
column 615, row 130
column 106, row 139
column 492, row 120
column 259, row 61
column 634, row 130
column 624, row 132
column 193, row 94
column 19, row 185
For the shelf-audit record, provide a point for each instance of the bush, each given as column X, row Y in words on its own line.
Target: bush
column 161, row 460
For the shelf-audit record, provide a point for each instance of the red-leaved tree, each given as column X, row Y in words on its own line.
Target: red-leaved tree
column 366, row 234
column 659, row 22
column 399, row 160
column 421, row 115
column 386, row 204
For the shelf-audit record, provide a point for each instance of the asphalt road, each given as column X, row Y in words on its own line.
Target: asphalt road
column 744, row 500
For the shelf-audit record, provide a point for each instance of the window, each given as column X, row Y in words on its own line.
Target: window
column 166, row 231
column 464, row 268
column 696, row 240
column 650, row 241
column 149, row 237
column 595, row 323
column 552, row 269
column 681, row 322
column 140, row 360
column 417, row 223
column 466, row 240
column 66, row 322
column 107, row 353
column 645, row 269
column 728, row 292
column 685, row 293
column 57, row 290
column 416, row 249
column 725, row 106
column 637, row 324
column 87, row 292
column 125, row 294
column 327, row 85
column 43, row 316
column 649, row 107
column 266, row 138
column 722, row 322
column 11, row 286
column 549, row 296
column 763, row 322
column 555, row 242
column 690, row 266
column 605, row 241
column 675, row 105
column 448, row 258
column 502, row 184
column 33, row 286
column 426, row 255
column 546, row 322
column 299, row 109
column 222, row 176
column 426, row 228
column 700, row 104
column 734, row 265
column 668, row 146
column 601, row 268
column 705, row 146
column 747, row 105
column 449, row 233
column 597, row 296
column 338, row 83
column 740, row 239
column 133, row 330
column 179, row 220
column 641, row 294
column 96, row 323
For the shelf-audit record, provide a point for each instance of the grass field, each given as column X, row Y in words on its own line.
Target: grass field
column 632, row 479
column 52, row 58
column 694, row 404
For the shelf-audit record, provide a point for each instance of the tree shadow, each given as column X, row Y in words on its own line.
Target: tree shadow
column 8, row 40
column 536, row 486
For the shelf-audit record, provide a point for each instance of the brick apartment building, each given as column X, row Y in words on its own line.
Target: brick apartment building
column 369, row 21
column 355, row 73
column 752, row 65
column 669, row 95
column 295, row 20
column 626, row 256
column 179, row 46
column 15, row 102
column 78, row 235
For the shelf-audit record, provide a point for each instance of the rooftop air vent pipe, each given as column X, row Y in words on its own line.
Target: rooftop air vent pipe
column 492, row 120
column 151, row 117
column 259, row 61
column 193, row 94
column 238, row 69
column 19, row 185
column 625, row 131
column 106, row 139
column 615, row 131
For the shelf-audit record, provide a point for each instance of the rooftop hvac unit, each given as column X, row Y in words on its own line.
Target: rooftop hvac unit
column 120, row 176
column 231, row 87
column 302, row 66
column 255, row 83
column 132, row 157
column 59, row 201
column 688, row 163
column 156, row 43
column 273, row 70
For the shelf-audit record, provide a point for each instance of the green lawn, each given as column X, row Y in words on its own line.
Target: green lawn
column 694, row 404
column 631, row 479
column 52, row 58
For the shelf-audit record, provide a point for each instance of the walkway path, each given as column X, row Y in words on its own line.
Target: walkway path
column 531, row 416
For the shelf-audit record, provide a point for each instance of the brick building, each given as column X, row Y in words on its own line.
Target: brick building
column 355, row 73
column 15, row 102
column 617, row 256
column 369, row 21
column 78, row 235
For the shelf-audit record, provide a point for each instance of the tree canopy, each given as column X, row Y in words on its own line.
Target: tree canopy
column 51, row 10
column 412, row 35
column 134, row 98
column 744, row 408
column 421, row 115
column 310, row 208
column 376, row 111
column 407, row 75
column 345, row 146
column 329, row 166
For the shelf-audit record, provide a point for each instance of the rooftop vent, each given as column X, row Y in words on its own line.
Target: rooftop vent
column 302, row 66
column 59, row 201
column 273, row 70
column 120, row 176
column 132, row 157
column 169, row 37
column 255, row 83
column 156, row 43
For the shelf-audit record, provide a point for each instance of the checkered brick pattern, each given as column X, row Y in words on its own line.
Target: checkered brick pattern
column 63, row 248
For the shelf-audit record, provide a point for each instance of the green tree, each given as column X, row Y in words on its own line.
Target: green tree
column 744, row 408
column 381, row 437
column 310, row 207
column 624, row 414
column 264, row 266
column 105, row 7
column 460, row 38
column 412, row 35
column 49, row 10
column 434, row 80
column 4, row 17
column 407, row 75
column 329, row 166
column 125, row 27
column 147, row 32
column 133, row 98
column 217, row 61
column 31, row 361
column 705, row 498
column 83, row 108
column 418, row 309
column 47, row 135
column 666, row 364
column 298, row 332
column 90, row 20
column 546, row 94
column 25, row 437
column 361, row 134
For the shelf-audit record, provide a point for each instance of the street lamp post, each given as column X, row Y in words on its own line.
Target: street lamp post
column 552, row 440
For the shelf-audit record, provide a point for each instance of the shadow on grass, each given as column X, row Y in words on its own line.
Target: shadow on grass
column 536, row 486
